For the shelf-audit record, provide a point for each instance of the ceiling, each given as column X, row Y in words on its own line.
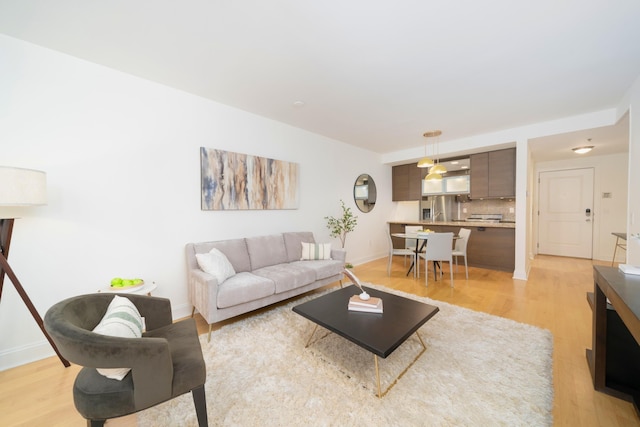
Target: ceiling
column 371, row 73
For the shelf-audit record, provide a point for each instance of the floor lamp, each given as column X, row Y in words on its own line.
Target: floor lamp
column 21, row 187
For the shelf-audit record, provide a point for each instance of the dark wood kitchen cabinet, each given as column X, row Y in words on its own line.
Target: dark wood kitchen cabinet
column 492, row 247
column 493, row 174
column 406, row 182
column 479, row 165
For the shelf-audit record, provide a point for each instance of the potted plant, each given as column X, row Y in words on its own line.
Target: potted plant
column 339, row 227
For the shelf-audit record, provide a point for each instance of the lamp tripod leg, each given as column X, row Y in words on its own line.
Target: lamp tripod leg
column 6, row 268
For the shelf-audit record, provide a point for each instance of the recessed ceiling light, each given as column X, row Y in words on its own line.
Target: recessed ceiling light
column 298, row 104
column 455, row 162
column 583, row 149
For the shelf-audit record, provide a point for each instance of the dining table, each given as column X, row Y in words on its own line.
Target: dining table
column 421, row 241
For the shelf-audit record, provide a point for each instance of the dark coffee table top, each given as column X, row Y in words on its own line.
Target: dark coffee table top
column 379, row 333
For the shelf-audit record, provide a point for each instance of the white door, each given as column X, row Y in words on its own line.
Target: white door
column 565, row 215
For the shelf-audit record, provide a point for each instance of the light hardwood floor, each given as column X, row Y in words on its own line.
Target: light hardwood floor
column 553, row 298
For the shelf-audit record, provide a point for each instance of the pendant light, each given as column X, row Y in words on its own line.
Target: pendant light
column 425, row 162
column 436, row 171
column 433, row 177
column 438, row 168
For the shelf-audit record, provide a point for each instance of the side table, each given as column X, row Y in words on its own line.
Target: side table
column 145, row 289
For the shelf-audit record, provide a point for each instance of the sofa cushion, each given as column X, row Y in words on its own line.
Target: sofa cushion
column 292, row 243
column 322, row 268
column 266, row 250
column 288, row 276
column 313, row 251
column 234, row 249
column 216, row 263
column 243, row 287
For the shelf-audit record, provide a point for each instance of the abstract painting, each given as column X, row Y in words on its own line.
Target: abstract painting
column 235, row 181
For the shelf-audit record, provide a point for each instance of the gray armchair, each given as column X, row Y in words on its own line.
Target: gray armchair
column 165, row 363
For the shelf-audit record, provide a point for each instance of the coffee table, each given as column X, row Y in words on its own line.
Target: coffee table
column 378, row 333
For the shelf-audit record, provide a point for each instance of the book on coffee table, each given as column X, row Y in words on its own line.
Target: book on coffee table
column 372, row 305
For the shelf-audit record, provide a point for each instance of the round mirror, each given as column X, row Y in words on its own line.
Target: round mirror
column 364, row 193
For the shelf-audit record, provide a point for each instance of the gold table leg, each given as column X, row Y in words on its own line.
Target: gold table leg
column 309, row 342
column 375, row 359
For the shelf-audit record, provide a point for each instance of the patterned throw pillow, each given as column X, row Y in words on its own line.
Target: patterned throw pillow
column 217, row 264
column 122, row 319
column 313, row 251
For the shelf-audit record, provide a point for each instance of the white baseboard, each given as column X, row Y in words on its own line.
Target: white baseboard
column 19, row 356
column 181, row 311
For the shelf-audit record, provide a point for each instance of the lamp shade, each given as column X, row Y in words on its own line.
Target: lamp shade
column 22, row 187
column 438, row 169
column 425, row 162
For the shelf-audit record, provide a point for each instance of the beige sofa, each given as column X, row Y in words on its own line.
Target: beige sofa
column 268, row 269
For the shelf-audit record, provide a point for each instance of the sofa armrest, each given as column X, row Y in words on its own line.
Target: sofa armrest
column 203, row 293
column 339, row 254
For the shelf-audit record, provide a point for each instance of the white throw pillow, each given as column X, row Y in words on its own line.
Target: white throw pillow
column 122, row 319
column 313, row 251
column 217, row 264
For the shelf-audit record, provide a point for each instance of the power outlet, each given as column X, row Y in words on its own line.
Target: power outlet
column 511, row 210
column 464, row 210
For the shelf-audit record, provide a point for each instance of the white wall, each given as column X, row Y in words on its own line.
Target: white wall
column 609, row 215
column 122, row 162
column 633, row 218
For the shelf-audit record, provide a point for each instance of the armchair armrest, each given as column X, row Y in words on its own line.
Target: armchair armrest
column 149, row 359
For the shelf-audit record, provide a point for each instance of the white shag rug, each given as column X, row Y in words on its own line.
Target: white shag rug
column 478, row 370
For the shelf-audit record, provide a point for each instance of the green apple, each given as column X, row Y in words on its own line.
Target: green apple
column 116, row 281
column 127, row 282
column 137, row 281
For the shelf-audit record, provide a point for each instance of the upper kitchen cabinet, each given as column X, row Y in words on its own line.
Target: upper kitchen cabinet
column 407, row 181
column 493, row 174
column 457, row 184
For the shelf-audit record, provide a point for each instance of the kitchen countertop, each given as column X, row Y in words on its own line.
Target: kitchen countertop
column 461, row 223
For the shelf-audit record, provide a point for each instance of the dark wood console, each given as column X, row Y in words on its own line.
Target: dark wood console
column 614, row 360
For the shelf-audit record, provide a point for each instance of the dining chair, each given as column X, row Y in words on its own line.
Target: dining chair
column 412, row 244
column 399, row 252
column 460, row 249
column 439, row 248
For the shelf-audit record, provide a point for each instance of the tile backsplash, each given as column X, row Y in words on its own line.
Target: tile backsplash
column 505, row 207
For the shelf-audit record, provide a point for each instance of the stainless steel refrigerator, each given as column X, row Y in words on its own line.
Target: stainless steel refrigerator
column 438, row 208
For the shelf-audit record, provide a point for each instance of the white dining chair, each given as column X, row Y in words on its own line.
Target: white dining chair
column 411, row 244
column 439, row 248
column 460, row 250
column 399, row 252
